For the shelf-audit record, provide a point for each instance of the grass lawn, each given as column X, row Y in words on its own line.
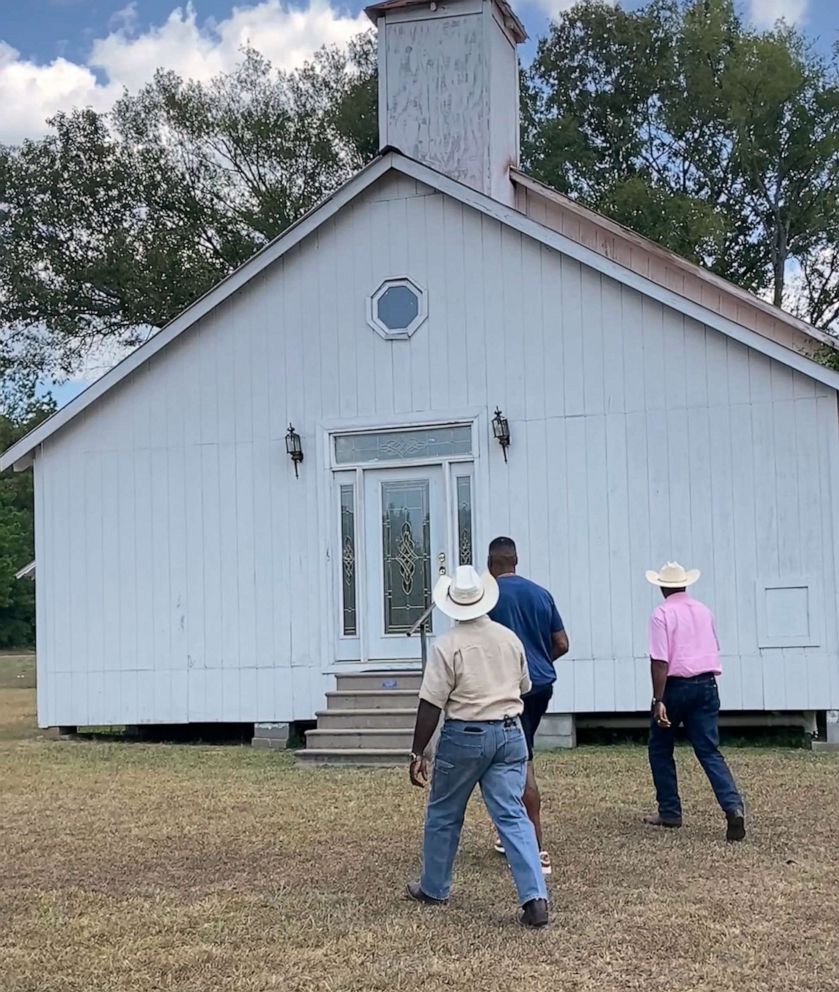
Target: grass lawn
column 132, row 867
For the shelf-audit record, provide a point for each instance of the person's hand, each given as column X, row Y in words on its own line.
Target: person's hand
column 660, row 715
column 419, row 773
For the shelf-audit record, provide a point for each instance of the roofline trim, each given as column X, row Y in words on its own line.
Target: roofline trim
column 20, row 455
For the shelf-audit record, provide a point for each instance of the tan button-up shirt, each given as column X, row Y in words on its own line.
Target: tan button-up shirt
column 476, row 671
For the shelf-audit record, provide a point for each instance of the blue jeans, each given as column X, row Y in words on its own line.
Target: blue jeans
column 696, row 704
column 494, row 756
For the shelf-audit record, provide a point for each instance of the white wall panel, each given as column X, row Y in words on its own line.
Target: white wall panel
column 182, row 569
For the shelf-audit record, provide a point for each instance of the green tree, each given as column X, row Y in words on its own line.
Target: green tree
column 113, row 224
column 17, row 544
column 713, row 139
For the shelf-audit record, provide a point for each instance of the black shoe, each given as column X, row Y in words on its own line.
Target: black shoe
column 534, row 914
column 736, row 826
column 657, row 820
column 414, row 892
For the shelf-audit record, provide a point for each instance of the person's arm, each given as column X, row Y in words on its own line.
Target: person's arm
column 559, row 644
column 428, row 716
column 437, row 685
column 559, row 636
column 659, row 651
column 658, row 671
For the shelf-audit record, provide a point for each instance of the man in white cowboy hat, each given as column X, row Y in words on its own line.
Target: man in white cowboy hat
column 685, row 663
column 476, row 674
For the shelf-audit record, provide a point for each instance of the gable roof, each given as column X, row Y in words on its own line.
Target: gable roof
column 21, row 454
column 633, row 250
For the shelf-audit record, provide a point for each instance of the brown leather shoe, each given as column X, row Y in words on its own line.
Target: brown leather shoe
column 414, row 891
column 736, row 829
column 534, row 914
column 657, row 820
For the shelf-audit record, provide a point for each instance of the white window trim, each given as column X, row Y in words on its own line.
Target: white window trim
column 401, row 333
column 815, row 635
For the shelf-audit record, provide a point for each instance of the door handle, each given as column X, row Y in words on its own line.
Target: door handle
column 441, row 558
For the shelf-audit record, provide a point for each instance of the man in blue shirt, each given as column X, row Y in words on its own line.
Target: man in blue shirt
column 530, row 612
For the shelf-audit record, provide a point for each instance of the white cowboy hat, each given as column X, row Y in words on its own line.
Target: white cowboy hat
column 673, row 576
column 466, row 595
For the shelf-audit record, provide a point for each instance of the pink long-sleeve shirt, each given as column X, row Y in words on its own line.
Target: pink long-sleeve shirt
column 683, row 633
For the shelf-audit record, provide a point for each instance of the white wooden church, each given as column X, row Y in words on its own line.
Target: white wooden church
column 189, row 569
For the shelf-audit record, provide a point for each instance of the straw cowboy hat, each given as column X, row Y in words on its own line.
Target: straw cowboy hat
column 466, row 595
column 673, row 576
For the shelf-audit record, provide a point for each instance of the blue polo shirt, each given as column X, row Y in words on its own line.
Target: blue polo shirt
column 530, row 612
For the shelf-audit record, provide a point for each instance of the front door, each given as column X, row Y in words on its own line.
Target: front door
column 406, row 541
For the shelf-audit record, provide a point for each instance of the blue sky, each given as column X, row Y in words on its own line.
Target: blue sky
column 45, row 29
column 57, row 54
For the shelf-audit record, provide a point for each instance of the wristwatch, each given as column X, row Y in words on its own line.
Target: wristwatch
column 415, row 758
column 655, row 702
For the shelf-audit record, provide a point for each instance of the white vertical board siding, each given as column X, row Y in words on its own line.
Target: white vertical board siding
column 184, row 574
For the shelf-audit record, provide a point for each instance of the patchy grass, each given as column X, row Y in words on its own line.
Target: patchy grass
column 17, row 671
column 155, row 867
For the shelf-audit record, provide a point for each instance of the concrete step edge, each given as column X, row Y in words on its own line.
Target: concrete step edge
column 379, row 693
column 388, row 672
column 347, row 731
column 394, row 711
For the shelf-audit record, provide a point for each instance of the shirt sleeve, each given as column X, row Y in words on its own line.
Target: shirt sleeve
column 557, row 626
column 438, row 681
column 659, row 646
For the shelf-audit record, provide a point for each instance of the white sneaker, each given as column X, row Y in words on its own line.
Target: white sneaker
column 544, row 857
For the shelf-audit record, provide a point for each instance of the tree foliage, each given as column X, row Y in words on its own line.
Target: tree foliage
column 686, row 125
column 17, row 542
column 112, row 224
column 677, row 119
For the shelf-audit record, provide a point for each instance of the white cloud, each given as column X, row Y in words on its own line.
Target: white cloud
column 30, row 92
column 552, row 8
column 765, row 13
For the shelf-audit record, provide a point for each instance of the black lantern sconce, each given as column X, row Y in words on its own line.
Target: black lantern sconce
column 294, row 447
column 501, row 431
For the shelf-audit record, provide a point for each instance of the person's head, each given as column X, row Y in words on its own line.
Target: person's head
column 466, row 595
column 503, row 558
column 672, row 578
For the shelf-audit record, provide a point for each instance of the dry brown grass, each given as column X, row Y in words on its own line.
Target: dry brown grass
column 137, row 867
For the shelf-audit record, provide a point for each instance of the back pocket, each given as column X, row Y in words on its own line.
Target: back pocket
column 515, row 746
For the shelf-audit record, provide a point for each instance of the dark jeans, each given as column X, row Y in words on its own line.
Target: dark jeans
column 695, row 703
column 536, row 704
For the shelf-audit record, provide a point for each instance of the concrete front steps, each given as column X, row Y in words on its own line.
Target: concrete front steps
column 368, row 720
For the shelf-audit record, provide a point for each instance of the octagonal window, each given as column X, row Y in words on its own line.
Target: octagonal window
column 397, row 308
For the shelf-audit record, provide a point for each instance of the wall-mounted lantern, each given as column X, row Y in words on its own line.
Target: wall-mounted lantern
column 501, row 431
column 294, row 447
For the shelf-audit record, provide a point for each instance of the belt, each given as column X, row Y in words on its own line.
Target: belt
column 703, row 677
column 507, row 721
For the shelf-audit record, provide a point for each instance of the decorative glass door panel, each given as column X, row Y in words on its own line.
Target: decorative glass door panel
column 406, row 553
column 406, row 544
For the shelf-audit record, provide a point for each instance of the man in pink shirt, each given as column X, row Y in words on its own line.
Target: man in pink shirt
column 685, row 663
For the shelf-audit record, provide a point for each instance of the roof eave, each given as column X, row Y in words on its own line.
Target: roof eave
column 724, row 285
column 21, row 454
